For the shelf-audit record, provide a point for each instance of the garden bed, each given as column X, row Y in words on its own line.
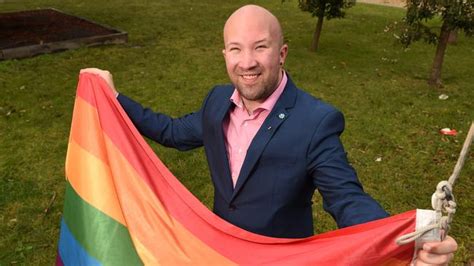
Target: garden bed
column 33, row 32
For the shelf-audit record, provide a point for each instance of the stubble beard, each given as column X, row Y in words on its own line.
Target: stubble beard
column 256, row 92
column 253, row 93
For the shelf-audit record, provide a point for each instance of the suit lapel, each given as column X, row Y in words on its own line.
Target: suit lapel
column 225, row 180
column 271, row 124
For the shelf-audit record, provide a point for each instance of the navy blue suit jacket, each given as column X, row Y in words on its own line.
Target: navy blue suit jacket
column 296, row 151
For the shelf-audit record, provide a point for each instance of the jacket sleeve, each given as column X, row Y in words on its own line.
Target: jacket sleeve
column 336, row 180
column 182, row 133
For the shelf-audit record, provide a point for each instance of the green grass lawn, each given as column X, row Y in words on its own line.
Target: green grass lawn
column 173, row 58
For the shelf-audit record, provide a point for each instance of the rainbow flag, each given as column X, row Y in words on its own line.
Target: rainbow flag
column 124, row 207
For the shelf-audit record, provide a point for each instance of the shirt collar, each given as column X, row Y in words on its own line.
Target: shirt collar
column 270, row 102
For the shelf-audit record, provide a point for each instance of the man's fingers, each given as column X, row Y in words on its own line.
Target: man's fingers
column 437, row 253
column 100, row 72
column 426, row 258
column 104, row 74
column 91, row 70
column 448, row 245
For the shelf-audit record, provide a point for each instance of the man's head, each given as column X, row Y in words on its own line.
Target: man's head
column 254, row 52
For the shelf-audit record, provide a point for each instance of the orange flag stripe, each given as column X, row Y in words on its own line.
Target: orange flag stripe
column 86, row 176
column 141, row 204
column 136, row 203
column 168, row 220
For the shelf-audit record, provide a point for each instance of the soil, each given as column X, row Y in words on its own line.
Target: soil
column 32, row 27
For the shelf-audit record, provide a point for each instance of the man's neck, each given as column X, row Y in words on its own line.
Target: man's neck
column 250, row 106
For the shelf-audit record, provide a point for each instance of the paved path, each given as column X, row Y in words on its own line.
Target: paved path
column 396, row 3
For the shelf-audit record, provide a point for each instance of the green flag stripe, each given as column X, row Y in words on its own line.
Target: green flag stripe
column 101, row 236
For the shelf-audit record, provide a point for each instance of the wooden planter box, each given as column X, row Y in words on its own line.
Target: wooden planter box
column 33, row 32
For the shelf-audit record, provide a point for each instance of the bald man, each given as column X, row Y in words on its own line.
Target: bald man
column 269, row 144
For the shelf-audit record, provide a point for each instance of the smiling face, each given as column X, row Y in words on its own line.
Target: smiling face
column 254, row 53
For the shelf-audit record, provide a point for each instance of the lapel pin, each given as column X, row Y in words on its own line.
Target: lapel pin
column 281, row 116
column 269, row 128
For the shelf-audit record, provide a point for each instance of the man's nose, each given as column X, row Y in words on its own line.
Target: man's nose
column 248, row 61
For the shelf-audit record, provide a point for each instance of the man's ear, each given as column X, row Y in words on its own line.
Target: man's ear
column 283, row 53
column 223, row 52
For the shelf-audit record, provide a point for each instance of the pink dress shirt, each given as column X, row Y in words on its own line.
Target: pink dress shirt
column 240, row 128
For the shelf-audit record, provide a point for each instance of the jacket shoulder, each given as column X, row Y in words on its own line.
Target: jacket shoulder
column 313, row 105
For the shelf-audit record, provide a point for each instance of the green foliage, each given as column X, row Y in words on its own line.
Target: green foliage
column 455, row 15
column 326, row 8
column 323, row 9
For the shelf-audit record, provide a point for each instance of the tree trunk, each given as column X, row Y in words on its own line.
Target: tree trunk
column 317, row 33
column 453, row 37
column 435, row 77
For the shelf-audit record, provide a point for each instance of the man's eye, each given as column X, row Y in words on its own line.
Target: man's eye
column 234, row 49
column 260, row 47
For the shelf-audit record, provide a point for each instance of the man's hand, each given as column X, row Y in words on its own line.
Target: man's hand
column 104, row 74
column 437, row 253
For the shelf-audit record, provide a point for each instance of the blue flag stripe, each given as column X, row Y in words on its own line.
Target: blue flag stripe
column 71, row 252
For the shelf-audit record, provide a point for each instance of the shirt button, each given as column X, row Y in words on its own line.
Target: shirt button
column 240, row 150
column 231, row 207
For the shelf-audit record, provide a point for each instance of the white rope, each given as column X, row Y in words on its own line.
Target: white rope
column 442, row 200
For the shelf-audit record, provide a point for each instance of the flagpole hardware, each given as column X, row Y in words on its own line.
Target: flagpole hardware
column 449, row 194
column 442, row 200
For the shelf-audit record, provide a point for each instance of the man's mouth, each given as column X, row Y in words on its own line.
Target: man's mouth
column 250, row 77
